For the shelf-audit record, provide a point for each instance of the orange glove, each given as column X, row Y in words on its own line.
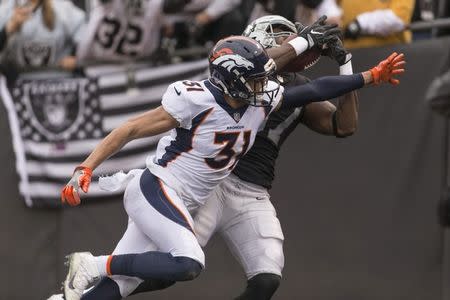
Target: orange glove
column 81, row 178
column 387, row 68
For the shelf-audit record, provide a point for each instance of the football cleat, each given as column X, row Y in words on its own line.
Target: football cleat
column 82, row 272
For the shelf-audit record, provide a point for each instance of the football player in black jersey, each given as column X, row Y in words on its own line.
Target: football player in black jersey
column 240, row 209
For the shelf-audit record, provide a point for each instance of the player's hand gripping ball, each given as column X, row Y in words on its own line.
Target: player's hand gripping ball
column 318, row 35
column 81, row 178
column 303, row 61
column 388, row 68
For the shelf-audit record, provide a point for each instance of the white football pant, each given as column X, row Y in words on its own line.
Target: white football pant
column 155, row 225
column 243, row 214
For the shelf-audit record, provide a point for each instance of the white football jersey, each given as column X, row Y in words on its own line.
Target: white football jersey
column 212, row 136
column 121, row 30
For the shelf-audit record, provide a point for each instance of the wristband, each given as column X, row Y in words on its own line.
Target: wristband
column 85, row 169
column 346, row 69
column 299, row 44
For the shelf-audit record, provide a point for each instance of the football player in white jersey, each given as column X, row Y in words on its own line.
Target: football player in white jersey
column 240, row 209
column 213, row 122
column 121, row 30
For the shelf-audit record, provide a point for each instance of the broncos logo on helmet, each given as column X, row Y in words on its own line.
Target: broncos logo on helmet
column 231, row 61
column 234, row 62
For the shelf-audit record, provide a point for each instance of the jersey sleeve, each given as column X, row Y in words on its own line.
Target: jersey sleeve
column 177, row 104
column 278, row 97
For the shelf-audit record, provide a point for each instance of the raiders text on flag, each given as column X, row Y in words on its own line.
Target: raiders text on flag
column 56, row 123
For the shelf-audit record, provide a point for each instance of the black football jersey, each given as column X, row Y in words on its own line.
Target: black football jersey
column 258, row 164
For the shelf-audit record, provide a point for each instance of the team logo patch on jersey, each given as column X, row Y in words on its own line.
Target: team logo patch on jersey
column 232, row 61
column 36, row 54
column 237, row 116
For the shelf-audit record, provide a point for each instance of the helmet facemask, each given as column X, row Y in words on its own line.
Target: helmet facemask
column 274, row 35
column 252, row 89
column 241, row 68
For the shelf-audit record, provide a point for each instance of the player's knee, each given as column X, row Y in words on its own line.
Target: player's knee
column 189, row 269
column 266, row 282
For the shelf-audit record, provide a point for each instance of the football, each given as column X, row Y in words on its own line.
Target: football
column 304, row 61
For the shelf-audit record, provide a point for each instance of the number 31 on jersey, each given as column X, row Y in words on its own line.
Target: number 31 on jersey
column 228, row 139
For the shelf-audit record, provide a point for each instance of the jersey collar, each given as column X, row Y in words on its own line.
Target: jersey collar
column 235, row 113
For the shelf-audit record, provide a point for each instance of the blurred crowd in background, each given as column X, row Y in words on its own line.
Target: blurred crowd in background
column 71, row 34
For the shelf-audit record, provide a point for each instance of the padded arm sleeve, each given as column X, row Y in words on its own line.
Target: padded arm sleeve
column 321, row 89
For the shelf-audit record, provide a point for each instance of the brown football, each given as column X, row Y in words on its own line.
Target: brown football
column 303, row 61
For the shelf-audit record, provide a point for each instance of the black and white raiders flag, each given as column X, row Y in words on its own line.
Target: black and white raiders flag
column 56, row 123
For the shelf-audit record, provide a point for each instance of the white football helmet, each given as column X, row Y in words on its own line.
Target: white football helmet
column 262, row 30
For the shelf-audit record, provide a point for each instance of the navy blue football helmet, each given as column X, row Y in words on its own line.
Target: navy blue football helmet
column 241, row 67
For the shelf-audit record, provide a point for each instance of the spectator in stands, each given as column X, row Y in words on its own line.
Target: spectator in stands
column 308, row 11
column 285, row 8
column 38, row 33
column 424, row 10
column 444, row 12
column 371, row 23
column 121, row 31
column 219, row 18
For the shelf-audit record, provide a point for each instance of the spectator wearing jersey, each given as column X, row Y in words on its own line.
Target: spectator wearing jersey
column 285, row 8
column 121, row 31
column 308, row 11
column 371, row 23
column 220, row 18
column 40, row 33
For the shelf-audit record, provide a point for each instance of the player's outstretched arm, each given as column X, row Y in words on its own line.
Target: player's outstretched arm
column 334, row 86
column 325, row 118
column 147, row 124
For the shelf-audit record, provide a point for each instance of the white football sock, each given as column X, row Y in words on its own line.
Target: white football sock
column 102, row 262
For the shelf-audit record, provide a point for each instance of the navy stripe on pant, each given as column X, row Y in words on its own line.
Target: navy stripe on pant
column 155, row 195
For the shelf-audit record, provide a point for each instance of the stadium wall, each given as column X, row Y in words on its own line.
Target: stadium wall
column 359, row 214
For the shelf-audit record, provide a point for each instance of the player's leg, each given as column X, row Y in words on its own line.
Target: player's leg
column 253, row 234
column 118, row 287
column 159, row 212
column 208, row 217
column 133, row 241
column 260, row 287
column 206, row 221
column 161, row 215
